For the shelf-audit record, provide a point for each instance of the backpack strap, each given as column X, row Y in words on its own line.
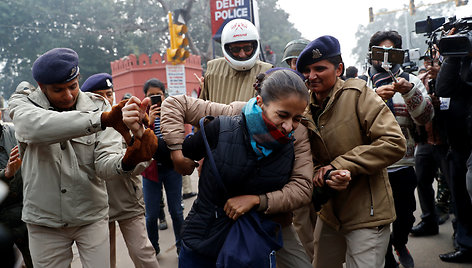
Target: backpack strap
column 210, row 158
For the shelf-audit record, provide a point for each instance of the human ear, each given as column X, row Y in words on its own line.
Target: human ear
column 339, row 69
column 259, row 101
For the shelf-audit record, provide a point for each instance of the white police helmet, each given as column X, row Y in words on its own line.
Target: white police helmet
column 240, row 30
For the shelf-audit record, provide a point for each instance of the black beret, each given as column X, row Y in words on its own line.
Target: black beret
column 58, row 65
column 322, row 48
column 97, row 82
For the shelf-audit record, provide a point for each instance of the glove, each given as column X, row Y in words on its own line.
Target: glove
column 321, row 195
column 114, row 119
column 141, row 150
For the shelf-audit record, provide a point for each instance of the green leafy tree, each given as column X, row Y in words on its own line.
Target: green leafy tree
column 275, row 29
column 102, row 31
column 32, row 27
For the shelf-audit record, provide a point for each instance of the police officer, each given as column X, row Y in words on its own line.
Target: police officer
column 411, row 105
column 350, row 128
column 454, row 85
column 230, row 78
column 67, row 150
column 125, row 196
column 292, row 50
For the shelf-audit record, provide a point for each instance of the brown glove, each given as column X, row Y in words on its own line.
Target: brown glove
column 114, row 119
column 141, row 150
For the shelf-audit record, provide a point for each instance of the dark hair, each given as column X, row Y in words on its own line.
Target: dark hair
column 381, row 36
column 154, row 82
column 336, row 60
column 280, row 84
column 351, row 72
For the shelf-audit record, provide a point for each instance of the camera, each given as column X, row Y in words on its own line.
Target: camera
column 156, row 99
column 394, row 55
column 460, row 43
column 409, row 64
column 429, row 25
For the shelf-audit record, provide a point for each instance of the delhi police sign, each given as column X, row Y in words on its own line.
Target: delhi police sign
column 223, row 11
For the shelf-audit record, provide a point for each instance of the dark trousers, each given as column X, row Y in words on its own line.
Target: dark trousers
column 191, row 259
column 428, row 159
column 10, row 220
column 457, row 158
column 403, row 184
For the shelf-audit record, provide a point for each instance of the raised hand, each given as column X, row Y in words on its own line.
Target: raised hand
column 114, row 119
column 142, row 149
column 134, row 115
column 14, row 163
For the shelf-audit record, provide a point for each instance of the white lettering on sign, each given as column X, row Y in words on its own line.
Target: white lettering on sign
column 231, row 14
column 229, row 3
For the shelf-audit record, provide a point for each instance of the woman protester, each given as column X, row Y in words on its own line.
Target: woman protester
column 263, row 158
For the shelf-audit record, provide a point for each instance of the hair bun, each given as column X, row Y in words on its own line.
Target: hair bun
column 258, row 84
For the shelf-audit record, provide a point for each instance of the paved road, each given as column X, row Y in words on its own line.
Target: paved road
column 425, row 250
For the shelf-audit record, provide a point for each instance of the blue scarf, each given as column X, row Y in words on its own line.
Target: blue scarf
column 261, row 139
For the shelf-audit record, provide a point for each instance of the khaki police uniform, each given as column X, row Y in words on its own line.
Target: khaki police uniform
column 65, row 155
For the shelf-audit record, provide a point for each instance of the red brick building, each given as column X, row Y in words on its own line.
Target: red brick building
column 130, row 73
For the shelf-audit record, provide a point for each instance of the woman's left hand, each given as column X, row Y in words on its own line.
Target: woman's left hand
column 236, row 206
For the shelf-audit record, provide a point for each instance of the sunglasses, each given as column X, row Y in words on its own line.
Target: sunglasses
column 235, row 50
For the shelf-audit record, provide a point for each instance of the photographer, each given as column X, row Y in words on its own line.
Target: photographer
column 430, row 157
column 407, row 99
column 454, row 83
column 166, row 177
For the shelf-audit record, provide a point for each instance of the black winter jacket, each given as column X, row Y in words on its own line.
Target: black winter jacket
column 206, row 225
column 453, row 82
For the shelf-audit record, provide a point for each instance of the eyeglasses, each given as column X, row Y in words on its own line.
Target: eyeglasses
column 235, row 50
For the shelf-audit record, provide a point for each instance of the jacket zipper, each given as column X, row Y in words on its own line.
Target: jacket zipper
column 371, row 199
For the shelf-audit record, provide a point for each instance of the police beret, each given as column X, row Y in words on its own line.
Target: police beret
column 58, row 65
column 97, row 82
column 322, row 48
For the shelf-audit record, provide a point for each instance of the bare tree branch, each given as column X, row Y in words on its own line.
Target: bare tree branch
column 164, row 6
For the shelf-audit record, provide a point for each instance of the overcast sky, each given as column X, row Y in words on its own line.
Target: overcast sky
column 341, row 18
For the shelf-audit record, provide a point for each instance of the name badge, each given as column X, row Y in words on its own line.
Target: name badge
column 445, row 102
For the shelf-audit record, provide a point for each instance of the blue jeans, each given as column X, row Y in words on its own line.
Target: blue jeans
column 152, row 191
